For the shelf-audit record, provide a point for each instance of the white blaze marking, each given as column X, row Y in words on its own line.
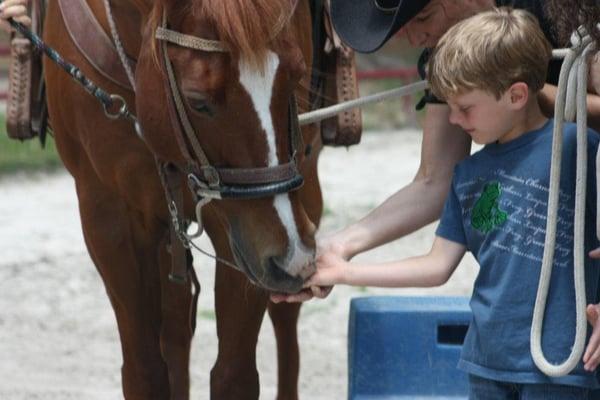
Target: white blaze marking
column 260, row 88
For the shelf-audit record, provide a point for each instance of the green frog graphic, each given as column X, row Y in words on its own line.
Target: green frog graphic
column 486, row 215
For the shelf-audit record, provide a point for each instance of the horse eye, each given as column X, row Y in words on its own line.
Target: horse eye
column 201, row 107
column 199, row 104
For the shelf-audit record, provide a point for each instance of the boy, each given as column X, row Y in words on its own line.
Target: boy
column 489, row 69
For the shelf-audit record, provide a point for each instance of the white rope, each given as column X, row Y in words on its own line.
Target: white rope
column 332, row 111
column 328, row 112
column 574, row 69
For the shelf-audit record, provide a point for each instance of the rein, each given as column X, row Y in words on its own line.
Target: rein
column 114, row 106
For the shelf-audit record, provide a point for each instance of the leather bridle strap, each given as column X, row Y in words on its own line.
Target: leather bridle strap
column 188, row 41
column 180, row 120
column 206, row 180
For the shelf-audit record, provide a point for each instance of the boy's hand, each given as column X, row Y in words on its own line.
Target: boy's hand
column 16, row 9
column 318, row 285
column 591, row 357
column 331, row 270
column 325, row 245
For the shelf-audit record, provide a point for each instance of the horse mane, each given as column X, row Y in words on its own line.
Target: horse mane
column 246, row 27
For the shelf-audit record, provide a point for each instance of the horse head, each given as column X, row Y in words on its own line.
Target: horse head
column 216, row 83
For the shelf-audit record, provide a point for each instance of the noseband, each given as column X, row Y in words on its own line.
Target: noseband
column 205, row 180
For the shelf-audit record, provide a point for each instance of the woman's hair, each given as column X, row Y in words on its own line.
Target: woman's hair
column 567, row 15
column 490, row 51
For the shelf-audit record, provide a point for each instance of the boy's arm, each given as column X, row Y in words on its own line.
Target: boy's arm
column 431, row 269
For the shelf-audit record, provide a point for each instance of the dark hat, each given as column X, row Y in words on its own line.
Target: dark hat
column 365, row 25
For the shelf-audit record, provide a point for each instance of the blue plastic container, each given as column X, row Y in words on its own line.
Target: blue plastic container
column 407, row 348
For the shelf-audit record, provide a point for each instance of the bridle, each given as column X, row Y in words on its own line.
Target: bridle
column 205, row 180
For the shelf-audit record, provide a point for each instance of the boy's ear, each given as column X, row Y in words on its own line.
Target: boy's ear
column 519, row 94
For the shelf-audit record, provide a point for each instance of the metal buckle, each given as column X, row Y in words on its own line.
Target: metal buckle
column 201, row 189
column 386, row 9
column 212, row 176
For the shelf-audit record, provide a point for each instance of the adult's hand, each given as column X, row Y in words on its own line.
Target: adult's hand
column 594, row 74
column 591, row 357
column 16, row 9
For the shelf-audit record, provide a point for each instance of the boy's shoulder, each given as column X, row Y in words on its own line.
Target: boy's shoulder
column 470, row 165
column 570, row 135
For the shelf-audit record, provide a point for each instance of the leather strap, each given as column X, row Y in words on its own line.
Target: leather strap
column 190, row 42
column 91, row 40
column 196, row 161
column 179, row 267
column 173, row 186
column 255, row 176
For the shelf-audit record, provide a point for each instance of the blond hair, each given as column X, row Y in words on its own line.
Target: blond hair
column 490, row 51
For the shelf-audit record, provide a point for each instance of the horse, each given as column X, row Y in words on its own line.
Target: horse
column 240, row 102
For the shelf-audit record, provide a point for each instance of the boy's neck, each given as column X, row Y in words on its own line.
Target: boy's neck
column 528, row 119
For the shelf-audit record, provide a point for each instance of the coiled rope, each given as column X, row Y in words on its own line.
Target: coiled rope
column 570, row 101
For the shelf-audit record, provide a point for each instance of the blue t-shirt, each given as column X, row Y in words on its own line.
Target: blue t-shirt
column 497, row 208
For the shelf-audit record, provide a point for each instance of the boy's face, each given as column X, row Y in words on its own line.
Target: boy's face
column 485, row 118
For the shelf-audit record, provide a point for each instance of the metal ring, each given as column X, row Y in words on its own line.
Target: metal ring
column 122, row 110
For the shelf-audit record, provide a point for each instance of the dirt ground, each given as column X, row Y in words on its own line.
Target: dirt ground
column 58, row 336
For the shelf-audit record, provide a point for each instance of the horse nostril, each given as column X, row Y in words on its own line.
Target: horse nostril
column 280, row 267
column 277, row 269
column 278, row 261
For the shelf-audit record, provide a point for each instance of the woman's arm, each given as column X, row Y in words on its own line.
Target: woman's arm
column 417, row 204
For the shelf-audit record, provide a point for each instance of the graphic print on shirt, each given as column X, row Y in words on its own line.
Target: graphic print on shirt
column 524, row 200
column 486, row 214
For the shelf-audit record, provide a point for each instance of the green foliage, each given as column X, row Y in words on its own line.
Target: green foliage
column 26, row 155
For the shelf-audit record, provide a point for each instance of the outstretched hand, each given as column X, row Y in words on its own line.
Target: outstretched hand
column 16, row 9
column 328, row 246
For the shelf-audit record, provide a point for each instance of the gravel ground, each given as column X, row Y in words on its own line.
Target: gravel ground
column 58, row 336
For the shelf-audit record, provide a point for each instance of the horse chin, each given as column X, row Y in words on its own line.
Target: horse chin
column 270, row 277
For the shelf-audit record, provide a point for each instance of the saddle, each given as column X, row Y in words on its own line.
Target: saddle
column 27, row 113
column 334, row 79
